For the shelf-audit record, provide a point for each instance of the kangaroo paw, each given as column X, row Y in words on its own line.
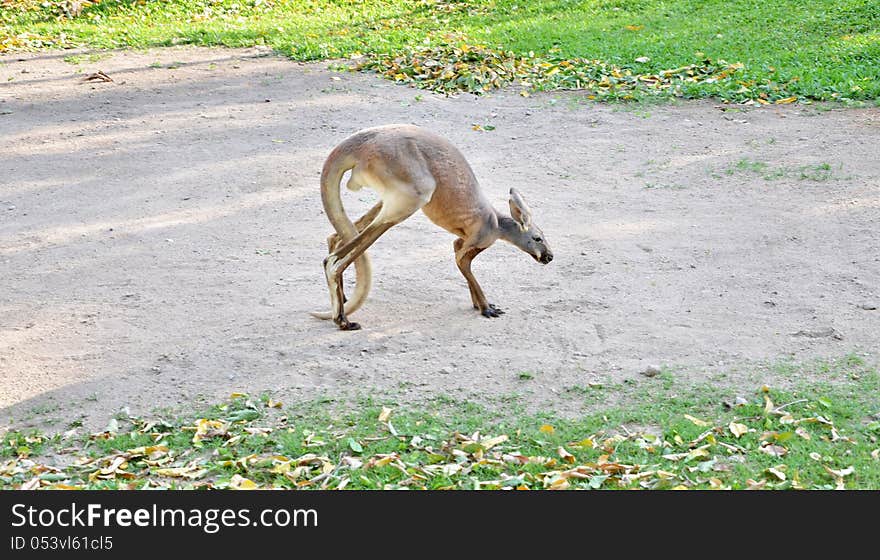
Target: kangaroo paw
column 348, row 326
column 491, row 311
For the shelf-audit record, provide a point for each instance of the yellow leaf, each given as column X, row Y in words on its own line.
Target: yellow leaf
column 547, row 429
column 680, row 487
column 585, row 443
column 208, row 428
column 385, row 414
column 565, row 455
column 488, row 444
column 559, row 484
column 738, row 430
column 239, row 482
column 237, row 395
column 768, row 404
column 273, row 404
column 786, row 100
column 697, row 421
column 524, row 93
column 635, row 27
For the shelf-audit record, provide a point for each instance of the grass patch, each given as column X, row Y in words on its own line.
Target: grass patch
column 815, row 436
column 827, row 50
column 817, row 173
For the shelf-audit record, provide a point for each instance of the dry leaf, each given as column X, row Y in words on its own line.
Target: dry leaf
column 774, row 450
column 238, row 482
column 696, row 421
column 547, row 429
column 738, row 430
column 488, row 444
column 756, row 485
column 777, row 473
column 565, row 455
column 385, row 414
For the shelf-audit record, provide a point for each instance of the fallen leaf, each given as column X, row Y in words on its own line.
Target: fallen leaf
column 547, row 429
column 756, row 485
column 238, row 482
column 385, row 414
column 696, row 421
column 206, row 429
column 786, row 100
column 565, row 455
column 488, row 444
column 768, row 405
column 774, row 450
column 840, row 473
column 776, row 473
column 738, row 430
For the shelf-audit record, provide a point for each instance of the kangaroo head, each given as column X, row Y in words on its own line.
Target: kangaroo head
column 526, row 235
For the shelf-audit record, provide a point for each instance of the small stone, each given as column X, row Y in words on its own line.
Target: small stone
column 868, row 306
column 820, row 333
column 651, row 371
column 445, row 370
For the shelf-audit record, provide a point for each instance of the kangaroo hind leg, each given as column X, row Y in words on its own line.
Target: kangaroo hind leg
column 395, row 207
column 360, row 224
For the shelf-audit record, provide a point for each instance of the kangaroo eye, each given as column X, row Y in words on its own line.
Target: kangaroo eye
column 538, row 239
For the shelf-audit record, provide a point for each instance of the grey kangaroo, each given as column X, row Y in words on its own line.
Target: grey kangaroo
column 413, row 168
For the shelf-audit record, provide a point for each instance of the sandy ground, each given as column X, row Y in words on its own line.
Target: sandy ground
column 161, row 239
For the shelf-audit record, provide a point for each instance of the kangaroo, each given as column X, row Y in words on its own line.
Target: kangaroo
column 412, row 168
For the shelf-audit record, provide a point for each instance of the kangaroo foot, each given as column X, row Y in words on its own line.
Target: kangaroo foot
column 346, row 325
column 491, row 311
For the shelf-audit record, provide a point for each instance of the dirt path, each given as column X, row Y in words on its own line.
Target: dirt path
column 161, row 238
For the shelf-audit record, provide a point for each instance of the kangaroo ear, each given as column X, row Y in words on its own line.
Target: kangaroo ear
column 519, row 210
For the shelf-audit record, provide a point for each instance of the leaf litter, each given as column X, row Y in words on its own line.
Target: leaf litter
column 455, row 64
column 239, row 447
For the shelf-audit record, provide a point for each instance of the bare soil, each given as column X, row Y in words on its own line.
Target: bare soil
column 161, row 238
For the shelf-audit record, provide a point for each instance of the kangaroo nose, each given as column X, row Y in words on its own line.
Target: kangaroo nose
column 546, row 257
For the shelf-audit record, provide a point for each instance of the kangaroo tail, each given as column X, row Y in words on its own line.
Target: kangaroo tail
column 340, row 161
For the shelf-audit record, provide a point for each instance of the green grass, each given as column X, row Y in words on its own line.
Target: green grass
column 664, row 434
column 816, row 173
column 815, row 49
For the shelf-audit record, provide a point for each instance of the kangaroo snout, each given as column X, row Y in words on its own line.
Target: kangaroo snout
column 546, row 257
